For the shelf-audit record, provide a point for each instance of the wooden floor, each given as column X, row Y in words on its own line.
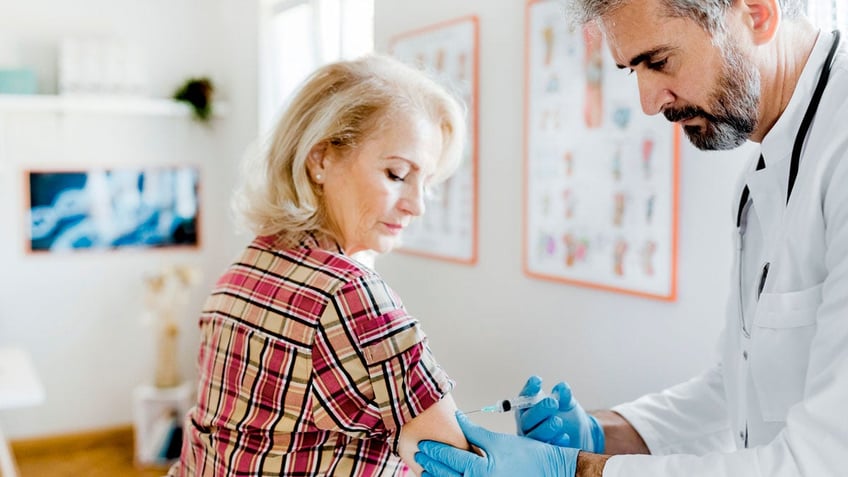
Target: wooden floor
column 107, row 453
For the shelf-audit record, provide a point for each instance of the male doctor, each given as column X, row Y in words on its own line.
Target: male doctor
column 776, row 404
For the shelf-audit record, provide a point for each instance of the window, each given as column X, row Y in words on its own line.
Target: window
column 298, row 36
column 829, row 14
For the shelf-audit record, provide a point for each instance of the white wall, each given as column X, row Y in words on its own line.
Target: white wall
column 80, row 315
column 490, row 326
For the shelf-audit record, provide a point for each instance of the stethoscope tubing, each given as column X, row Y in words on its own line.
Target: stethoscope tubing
column 798, row 146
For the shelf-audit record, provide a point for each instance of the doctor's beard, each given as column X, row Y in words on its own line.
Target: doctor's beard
column 734, row 103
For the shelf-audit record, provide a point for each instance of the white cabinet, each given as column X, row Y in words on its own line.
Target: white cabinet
column 19, row 387
column 158, row 415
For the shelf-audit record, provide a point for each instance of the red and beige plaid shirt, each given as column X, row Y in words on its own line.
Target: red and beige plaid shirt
column 309, row 365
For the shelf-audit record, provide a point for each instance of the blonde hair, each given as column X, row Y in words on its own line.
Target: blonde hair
column 339, row 105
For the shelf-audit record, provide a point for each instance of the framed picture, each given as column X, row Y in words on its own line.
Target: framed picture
column 601, row 177
column 109, row 209
column 449, row 52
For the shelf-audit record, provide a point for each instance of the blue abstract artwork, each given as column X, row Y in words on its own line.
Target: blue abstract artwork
column 113, row 208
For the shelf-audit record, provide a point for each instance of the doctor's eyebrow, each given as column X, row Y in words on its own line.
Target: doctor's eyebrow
column 645, row 57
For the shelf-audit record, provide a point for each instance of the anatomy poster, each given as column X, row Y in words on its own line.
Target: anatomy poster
column 448, row 229
column 600, row 175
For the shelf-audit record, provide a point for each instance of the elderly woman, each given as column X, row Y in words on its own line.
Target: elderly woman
column 309, row 363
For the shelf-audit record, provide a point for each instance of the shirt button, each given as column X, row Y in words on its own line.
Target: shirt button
column 741, row 435
column 745, row 355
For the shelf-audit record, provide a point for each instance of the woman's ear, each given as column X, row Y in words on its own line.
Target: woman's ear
column 316, row 162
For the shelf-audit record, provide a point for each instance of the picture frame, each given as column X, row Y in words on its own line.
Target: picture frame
column 71, row 210
column 448, row 51
column 600, row 176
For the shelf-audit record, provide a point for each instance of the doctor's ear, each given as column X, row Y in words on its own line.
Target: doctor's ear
column 762, row 17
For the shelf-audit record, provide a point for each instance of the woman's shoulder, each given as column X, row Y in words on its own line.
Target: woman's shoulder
column 334, row 262
column 321, row 260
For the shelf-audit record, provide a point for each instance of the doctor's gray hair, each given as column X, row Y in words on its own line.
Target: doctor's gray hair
column 709, row 14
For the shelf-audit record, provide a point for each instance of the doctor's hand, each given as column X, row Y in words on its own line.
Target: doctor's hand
column 506, row 456
column 559, row 420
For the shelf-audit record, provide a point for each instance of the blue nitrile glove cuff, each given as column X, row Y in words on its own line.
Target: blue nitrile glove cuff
column 598, row 438
column 567, row 461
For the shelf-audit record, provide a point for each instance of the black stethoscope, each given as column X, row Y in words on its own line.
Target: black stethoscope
column 800, row 138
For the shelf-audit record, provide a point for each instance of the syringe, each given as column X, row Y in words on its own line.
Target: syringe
column 514, row 404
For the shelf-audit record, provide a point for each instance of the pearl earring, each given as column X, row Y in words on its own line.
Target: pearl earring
column 318, row 177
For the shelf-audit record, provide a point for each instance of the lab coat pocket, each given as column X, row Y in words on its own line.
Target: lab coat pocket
column 784, row 325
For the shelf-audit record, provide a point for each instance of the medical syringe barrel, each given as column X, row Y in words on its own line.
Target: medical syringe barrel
column 514, row 404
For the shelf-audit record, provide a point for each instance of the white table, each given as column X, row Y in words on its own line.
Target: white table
column 19, row 387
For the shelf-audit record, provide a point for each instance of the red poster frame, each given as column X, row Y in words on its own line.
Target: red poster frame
column 671, row 295
column 473, row 129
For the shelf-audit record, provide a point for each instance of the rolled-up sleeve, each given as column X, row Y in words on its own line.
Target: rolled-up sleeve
column 688, row 418
column 374, row 371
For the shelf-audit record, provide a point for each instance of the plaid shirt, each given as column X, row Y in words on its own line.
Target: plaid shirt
column 309, row 365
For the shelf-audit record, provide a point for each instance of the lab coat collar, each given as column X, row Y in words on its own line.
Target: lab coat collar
column 777, row 143
column 768, row 186
column 768, row 193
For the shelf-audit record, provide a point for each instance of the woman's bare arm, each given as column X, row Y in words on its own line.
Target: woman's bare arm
column 437, row 423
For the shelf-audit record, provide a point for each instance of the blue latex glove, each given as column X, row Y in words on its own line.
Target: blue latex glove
column 506, row 456
column 559, row 420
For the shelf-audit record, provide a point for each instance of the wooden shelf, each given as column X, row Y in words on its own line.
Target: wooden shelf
column 43, row 103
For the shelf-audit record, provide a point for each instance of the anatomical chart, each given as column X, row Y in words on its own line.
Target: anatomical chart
column 449, row 52
column 600, row 175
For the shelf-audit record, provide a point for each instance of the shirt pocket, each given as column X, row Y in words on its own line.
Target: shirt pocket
column 784, row 326
column 388, row 335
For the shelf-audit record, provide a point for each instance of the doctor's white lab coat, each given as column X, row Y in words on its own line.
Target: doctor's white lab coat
column 777, row 404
